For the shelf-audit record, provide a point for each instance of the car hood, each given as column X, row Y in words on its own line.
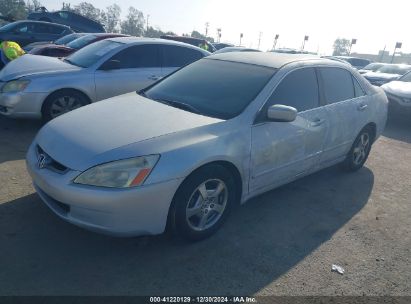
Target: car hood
column 384, row 76
column 78, row 139
column 399, row 88
column 29, row 64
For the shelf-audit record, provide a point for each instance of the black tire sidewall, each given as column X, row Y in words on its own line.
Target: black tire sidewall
column 46, row 109
column 181, row 199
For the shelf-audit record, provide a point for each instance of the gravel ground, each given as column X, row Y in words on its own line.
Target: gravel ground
column 281, row 243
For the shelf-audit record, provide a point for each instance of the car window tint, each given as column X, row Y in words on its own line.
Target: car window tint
column 299, row 89
column 338, row 84
column 56, row 30
column 24, row 28
column 139, row 56
column 63, row 15
column 40, row 28
column 357, row 88
column 177, row 56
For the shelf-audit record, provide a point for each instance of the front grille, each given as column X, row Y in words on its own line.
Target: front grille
column 50, row 163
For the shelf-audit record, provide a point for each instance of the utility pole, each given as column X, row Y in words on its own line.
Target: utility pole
column 259, row 39
column 275, row 41
column 206, row 29
column 383, row 53
column 241, row 37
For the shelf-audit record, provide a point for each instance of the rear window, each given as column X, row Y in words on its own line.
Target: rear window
column 81, row 42
column 215, row 88
column 177, row 56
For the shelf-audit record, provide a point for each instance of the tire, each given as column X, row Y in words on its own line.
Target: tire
column 62, row 102
column 194, row 215
column 359, row 151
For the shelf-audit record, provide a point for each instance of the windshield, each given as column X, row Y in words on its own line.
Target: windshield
column 394, row 69
column 373, row 66
column 7, row 27
column 81, row 42
column 66, row 39
column 92, row 53
column 215, row 88
column 406, row 77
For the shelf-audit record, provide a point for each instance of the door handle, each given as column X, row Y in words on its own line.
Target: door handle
column 362, row 107
column 154, row 77
column 317, row 122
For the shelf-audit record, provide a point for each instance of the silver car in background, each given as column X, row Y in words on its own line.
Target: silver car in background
column 38, row 86
column 222, row 130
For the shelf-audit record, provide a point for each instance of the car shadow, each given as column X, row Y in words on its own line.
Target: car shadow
column 262, row 240
column 16, row 136
column 398, row 125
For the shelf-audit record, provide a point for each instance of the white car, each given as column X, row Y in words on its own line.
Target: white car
column 216, row 133
column 45, row 87
column 399, row 92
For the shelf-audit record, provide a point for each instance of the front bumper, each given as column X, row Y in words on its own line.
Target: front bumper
column 22, row 104
column 118, row 212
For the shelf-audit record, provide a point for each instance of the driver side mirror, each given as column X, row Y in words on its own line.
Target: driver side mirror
column 281, row 113
column 112, row 64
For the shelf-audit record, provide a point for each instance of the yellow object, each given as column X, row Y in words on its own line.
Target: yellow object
column 11, row 49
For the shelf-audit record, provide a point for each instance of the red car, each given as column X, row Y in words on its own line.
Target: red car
column 54, row 50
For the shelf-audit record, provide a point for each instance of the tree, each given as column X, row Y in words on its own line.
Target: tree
column 341, row 47
column 156, row 32
column 13, row 10
column 196, row 34
column 134, row 23
column 88, row 10
column 113, row 18
column 32, row 5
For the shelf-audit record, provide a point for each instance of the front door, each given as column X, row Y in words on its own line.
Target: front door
column 281, row 151
column 139, row 66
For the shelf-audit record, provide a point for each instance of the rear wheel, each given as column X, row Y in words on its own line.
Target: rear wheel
column 203, row 202
column 359, row 151
column 62, row 102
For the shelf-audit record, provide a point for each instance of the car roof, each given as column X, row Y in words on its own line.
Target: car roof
column 267, row 59
column 42, row 22
column 137, row 40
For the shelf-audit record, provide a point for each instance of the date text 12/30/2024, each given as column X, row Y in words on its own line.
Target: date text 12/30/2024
column 202, row 300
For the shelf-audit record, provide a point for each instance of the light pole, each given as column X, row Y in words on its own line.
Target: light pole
column 218, row 34
column 275, row 41
column 148, row 16
column 206, row 29
column 353, row 41
column 398, row 45
column 305, row 39
column 259, row 39
column 241, row 37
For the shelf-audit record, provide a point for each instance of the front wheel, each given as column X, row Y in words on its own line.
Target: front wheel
column 203, row 202
column 359, row 151
column 62, row 102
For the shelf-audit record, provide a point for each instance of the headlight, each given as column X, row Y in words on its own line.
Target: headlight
column 15, row 86
column 124, row 173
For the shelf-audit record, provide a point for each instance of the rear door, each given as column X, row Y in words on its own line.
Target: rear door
column 175, row 57
column 281, row 151
column 347, row 108
column 139, row 66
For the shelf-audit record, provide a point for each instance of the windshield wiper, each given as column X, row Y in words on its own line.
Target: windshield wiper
column 180, row 105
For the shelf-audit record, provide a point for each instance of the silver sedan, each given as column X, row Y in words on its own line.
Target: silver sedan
column 224, row 129
column 39, row 86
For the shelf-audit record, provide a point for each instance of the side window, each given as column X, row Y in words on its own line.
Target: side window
column 357, row 88
column 56, row 30
column 338, row 84
column 63, row 15
column 21, row 28
column 40, row 28
column 139, row 56
column 177, row 56
column 299, row 89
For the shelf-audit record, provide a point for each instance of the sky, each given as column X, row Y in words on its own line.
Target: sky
column 375, row 24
